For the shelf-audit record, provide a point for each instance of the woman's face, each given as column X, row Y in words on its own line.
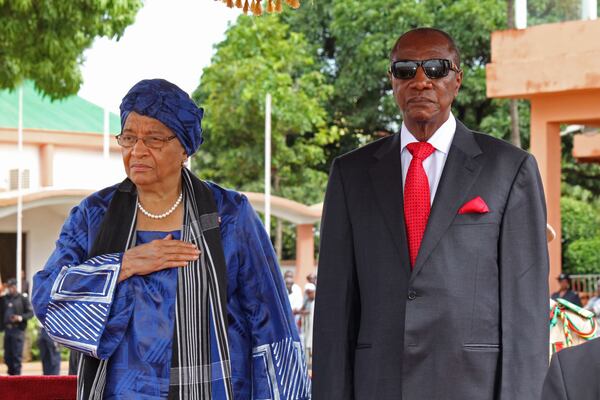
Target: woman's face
column 147, row 166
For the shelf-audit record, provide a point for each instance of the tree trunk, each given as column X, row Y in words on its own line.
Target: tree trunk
column 515, row 134
column 510, row 14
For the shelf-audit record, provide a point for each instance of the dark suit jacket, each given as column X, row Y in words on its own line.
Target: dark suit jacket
column 21, row 306
column 570, row 296
column 574, row 373
column 470, row 321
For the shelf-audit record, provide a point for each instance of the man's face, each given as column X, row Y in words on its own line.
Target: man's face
column 12, row 289
column 289, row 282
column 421, row 99
column 564, row 284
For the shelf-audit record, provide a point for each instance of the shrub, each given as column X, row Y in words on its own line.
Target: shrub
column 583, row 256
column 579, row 220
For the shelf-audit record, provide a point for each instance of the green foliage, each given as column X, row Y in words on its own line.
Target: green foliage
column 550, row 11
column 260, row 56
column 586, row 176
column 583, row 256
column 580, row 222
column 44, row 40
column 31, row 337
column 352, row 39
column 497, row 121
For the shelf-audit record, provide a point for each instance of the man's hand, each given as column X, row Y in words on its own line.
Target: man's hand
column 16, row 318
column 157, row 255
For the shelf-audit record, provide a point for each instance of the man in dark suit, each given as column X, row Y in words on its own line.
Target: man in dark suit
column 15, row 311
column 573, row 373
column 433, row 270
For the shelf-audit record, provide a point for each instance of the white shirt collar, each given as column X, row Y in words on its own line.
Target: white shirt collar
column 441, row 139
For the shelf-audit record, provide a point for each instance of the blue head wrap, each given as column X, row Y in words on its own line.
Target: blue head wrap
column 166, row 102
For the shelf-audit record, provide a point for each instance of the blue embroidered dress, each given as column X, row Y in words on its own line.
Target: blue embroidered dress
column 131, row 323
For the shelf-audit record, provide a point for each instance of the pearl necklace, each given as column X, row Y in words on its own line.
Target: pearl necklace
column 163, row 215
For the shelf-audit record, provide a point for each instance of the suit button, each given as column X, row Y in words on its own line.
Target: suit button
column 412, row 294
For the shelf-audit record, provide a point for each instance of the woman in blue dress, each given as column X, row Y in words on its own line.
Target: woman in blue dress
column 168, row 285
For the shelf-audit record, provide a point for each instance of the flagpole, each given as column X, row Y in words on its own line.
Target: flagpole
column 106, row 137
column 268, row 164
column 20, row 191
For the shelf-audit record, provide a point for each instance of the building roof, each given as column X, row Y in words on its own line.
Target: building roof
column 72, row 114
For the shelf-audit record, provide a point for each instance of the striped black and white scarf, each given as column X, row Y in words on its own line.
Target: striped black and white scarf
column 201, row 304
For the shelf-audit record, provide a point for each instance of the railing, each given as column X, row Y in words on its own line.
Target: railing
column 585, row 285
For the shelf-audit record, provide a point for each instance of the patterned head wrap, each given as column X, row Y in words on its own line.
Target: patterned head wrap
column 166, row 102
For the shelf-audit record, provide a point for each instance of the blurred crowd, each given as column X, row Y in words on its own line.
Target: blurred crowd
column 302, row 303
column 566, row 292
column 15, row 311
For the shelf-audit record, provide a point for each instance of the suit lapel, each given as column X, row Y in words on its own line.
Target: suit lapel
column 460, row 172
column 386, row 178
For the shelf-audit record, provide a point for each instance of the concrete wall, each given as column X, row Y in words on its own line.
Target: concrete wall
column 80, row 168
column 545, row 59
column 9, row 159
column 41, row 226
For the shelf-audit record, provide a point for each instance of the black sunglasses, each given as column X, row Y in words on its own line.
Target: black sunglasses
column 434, row 68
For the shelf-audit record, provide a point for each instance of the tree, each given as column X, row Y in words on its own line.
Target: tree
column 44, row 40
column 580, row 228
column 260, row 56
column 583, row 256
column 583, row 175
column 352, row 40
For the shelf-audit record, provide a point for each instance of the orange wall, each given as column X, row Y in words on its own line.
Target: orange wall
column 586, row 148
column 545, row 59
column 556, row 67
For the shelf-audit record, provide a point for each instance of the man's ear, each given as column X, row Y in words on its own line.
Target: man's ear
column 459, row 78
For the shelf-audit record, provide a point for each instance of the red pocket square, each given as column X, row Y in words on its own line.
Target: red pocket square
column 476, row 205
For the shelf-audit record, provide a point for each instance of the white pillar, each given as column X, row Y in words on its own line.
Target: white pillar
column 268, row 163
column 520, row 14
column 106, row 137
column 589, row 9
column 20, row 191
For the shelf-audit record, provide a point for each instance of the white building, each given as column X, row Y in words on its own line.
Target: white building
column 63, row 160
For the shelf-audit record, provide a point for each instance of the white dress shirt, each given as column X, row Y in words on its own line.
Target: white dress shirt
column 441, row 140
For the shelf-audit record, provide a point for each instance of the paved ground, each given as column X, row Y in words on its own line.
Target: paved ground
column 35, row 368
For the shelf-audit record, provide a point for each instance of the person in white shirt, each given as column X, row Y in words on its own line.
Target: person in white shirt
column 294, row 294
column 308, row 312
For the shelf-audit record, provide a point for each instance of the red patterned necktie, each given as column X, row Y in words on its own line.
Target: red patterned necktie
column 416, row 197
